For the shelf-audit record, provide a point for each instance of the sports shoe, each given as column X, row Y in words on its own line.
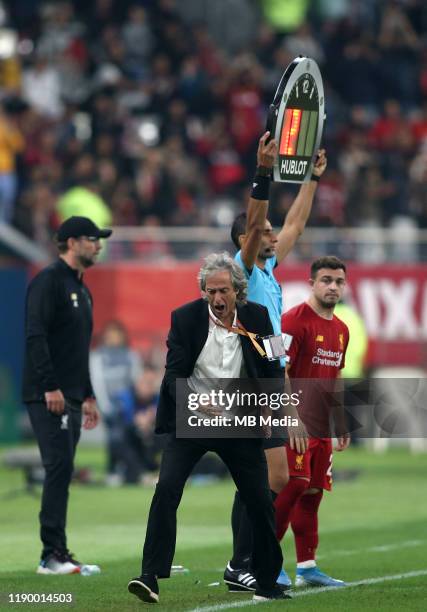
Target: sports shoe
column 276, row 592
column 312, row 576
column 85, row 569
column 284, row 580
column 145, row 588
column 69, row 556
column 59, row 563
column 239, row 580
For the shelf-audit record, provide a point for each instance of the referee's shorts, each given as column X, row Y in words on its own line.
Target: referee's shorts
column 274, row 442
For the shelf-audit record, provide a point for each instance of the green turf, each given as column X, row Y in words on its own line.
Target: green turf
column 372, row 526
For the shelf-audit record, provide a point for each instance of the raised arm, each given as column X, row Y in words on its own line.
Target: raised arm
column 257, row 208
column 299, row 212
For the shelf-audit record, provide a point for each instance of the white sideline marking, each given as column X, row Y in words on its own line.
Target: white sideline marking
column 374, row 549
column 315, row 591
column 358, row 551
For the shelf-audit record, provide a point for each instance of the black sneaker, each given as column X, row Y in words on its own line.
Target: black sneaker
column 145, row 588
column 240, row 580
column 268, row 594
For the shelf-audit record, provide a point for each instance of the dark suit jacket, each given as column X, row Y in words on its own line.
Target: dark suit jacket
column 186, row 339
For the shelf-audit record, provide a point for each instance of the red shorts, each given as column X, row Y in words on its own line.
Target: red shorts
column 315, row 464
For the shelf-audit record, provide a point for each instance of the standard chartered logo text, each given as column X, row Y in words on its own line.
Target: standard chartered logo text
column 327, row 358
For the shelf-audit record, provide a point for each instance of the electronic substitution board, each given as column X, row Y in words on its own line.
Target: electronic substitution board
column 295, row 119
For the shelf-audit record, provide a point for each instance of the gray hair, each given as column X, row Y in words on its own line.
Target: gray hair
column 217, row 262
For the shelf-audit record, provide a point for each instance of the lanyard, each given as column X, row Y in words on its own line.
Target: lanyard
column 239, row 329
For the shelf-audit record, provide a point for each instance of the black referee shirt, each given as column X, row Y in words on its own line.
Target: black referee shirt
column 58, row 330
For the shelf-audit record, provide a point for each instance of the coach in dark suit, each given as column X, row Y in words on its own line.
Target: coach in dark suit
column 202, row 346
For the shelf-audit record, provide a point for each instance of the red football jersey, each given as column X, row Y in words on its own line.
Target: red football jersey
column 317, row 352
column 318, row 345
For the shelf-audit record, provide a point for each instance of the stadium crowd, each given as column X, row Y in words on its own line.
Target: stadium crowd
column 149, row 112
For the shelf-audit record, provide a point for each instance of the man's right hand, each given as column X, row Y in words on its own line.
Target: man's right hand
column 55, row 401
column 266, row 153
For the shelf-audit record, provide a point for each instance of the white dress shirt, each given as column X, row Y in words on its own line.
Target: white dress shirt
column 221, row 357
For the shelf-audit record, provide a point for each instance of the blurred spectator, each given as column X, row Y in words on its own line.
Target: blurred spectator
column 385, row 129
column 61, row 31
column 304, row 43
column 210, row 56
column 285, row 17
column 400, row 46
column 115, row 369
column 245, row 118
column 419, row 125
column 84, row 199
column 41, row 87
column 152, row 250
column 418, row 173
column 330, row 207
column 360, row 60
column 221, row 18
column 152, row 110
column 11, row 144
column 37, row 216
column 155, row 187
column 193, row 86
column 147, row 395
column 225, row 168
column 138, row 40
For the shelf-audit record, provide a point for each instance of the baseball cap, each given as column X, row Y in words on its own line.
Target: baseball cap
column 75, row 227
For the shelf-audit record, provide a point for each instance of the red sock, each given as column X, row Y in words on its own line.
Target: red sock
column 286, row 501
column 304, row 525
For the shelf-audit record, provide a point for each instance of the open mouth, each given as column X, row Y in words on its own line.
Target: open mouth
column 219, row 309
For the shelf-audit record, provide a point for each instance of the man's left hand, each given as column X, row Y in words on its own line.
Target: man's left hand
column 320, row 163
column 343, row 442
column 90, row 414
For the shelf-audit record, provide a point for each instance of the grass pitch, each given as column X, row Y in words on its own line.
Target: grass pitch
column 373, row 530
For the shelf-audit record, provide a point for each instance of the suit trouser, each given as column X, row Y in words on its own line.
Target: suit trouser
column 246, row 462
column 57, row 437
column 240, row 523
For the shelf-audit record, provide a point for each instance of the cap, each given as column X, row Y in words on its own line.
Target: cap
column 75, row 227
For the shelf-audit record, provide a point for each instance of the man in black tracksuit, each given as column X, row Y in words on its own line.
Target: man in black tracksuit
column 56, row 386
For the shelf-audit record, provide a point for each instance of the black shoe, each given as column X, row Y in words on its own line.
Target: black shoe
column 267, row 594
column 239, row 581
column 145, row 588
